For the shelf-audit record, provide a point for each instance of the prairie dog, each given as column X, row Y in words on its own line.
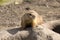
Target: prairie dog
column 31, row 19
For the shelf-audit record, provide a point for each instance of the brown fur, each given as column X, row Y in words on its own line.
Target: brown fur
column 31, row 17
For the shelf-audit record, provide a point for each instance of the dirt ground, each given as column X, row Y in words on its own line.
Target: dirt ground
column 10, row 15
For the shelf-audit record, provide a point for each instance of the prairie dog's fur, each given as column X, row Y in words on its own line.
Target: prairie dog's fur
column 31, row 18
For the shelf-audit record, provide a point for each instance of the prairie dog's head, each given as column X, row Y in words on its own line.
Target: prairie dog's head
column 31, row 19
column 32, row 12
column 38, row 18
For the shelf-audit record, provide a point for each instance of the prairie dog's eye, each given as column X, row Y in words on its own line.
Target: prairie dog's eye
column 27, row 8
column 30, row 14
